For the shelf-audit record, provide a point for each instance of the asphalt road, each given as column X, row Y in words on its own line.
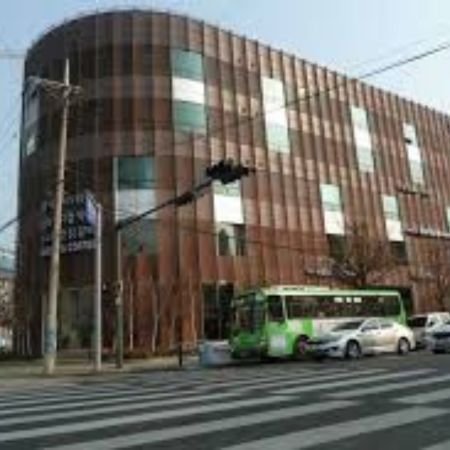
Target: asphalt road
column 376, row 403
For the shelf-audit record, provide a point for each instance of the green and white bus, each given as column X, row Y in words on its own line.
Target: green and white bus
column 278, row 321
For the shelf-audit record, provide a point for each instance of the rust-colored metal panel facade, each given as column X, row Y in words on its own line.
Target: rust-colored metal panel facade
column 124, row 64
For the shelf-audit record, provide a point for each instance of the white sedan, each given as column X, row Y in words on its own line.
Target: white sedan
column 359, row 337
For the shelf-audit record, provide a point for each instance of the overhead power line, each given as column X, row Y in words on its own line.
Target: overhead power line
column 12, row 54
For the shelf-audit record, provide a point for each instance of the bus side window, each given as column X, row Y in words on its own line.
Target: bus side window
column 275, row 308
column 390, row 305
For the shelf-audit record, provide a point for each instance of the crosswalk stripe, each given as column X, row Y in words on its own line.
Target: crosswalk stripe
column 332, row 433
column 200, row 386
column 312, row 379
column 69, row 397
column 119, row 399
column 426, row 397
column 136, row 405
column 135, row 418
column 199, row 428
column 390, row 387
column 261, row 380
column 353, row 381
column 444, row 445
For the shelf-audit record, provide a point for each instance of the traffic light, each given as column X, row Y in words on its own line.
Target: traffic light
column 226, row 171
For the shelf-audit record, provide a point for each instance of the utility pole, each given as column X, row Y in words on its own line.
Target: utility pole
column 51, row 330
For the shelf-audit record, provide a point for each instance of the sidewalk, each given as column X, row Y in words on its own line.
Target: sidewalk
column 16, row 373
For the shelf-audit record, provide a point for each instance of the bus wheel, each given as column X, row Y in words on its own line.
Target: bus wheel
column 353, row 350
column 301, row 347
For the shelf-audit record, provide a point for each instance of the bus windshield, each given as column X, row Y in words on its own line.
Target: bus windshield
column 248, row 313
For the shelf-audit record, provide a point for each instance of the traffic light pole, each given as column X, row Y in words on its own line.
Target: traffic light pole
column 52, row 310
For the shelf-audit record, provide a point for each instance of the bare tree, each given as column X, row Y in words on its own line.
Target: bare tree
column 358, row 259
column 6, row 308
column 438, row 273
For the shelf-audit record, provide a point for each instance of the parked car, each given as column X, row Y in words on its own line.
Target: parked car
column 358, row 337
column 439, row 339
column 423, row 325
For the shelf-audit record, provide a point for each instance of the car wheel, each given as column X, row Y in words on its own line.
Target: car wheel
column 403, row 346
column 301, row 347
column 352, row 350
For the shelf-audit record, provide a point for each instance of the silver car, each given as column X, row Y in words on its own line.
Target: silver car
column 439, row 339
column 358, row 337
column 423, row 326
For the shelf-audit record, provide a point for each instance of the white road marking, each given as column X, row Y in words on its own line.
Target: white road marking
column 228, row 423
column 309, row 380
column 354, row 381
column 43, row 416
column 444, row 445
column 390, row 387
column 426, row 397
column 136, row 418
column 332, row 433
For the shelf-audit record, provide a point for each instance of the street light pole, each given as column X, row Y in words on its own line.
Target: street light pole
column 52, row 311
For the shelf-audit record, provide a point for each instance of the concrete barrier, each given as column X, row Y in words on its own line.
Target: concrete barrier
column 214, row 353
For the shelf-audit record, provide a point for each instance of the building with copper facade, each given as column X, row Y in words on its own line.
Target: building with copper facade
column 165, row 96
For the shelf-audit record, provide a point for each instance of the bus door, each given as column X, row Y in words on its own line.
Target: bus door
column 276, row 326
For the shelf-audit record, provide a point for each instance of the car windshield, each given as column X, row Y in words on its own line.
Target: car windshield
column 419, row 321
column 353, row 325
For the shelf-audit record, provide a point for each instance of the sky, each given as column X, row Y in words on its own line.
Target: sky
column 350, row 36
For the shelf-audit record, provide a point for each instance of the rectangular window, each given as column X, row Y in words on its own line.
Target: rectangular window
column 188, row 91
column 336, row 245
column 189, row 117
column 409, row 134
column 135, row 181
column 136, row 172
column 228, row 203
column 217, row 310
column 363, row 141
column 231, row 240
column 392, row 218
column 414, row 154
column 187, row 64
column 415, row 164
column 30, row 121
column 275, row 115
column 332, row 209
column 398, row 250
column 278, row 138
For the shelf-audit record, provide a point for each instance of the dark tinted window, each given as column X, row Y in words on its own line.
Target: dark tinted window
column 275, row 308
column 353, row 325
column 417, row 321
